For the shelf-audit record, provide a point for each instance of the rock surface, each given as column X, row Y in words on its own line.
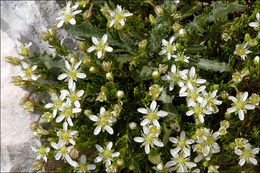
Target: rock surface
column 22, row 21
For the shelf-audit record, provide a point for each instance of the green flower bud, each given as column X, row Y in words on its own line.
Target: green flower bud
column 120, row 94
column 143, row 44
column 254, row 99
column 247, row 37
column 38, row 165
column 224, row 95
column 205, row 164
column 132, row 125
column 109, row 76
column 178, row 46
column 13, row 60
column 183, row 33
column 86, row 60
column 45, row 36
column 120, row 162
column 52, row 32
column 156, row 74
column 92, row 69
column 106, row 65
column 227, row 115
column 158, row 10
column 152, row 19
column 176, row 27
column 74, row 153
column 87, row 15
column 88, row 112
column 252, row 42
column 82, row 47
column 33, row 125
column 72, row 58
column 256, row 60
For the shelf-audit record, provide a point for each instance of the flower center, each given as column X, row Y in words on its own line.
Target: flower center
column 103, row 121
column 63, row 150
column 170, row 48
column 181, row 160
column 28, row 73
column 57, row 103
column 240, row 105
column 153, row 130
column 72, row 74
column 67, row 17
column 182, row 143
column 73, row 97
column 149, row 139
column 101, row 47
column 209, row 140
column 197, row 110
column 247, row 153
column 118, row 17
column 66, row 136
column 240, row 51
column 107, row 153
column 42, row 151
column 68, row 112
column 175, row 78
column 152, row 115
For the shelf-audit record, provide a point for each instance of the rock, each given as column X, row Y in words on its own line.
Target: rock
column 22, row 21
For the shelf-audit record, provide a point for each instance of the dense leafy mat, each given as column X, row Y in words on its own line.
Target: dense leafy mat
column 152, row 86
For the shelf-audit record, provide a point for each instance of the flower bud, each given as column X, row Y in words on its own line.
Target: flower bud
column 254, row 99
column 247, row 37
column 155, row 90
column 118, row 108
column 224, row 124
column 159, row 166
column 227, row 115
column 256, row 60
column 156, row 74
column 162, row 68
column 132, row 167
column 120, row 94
column 74, row 153
column 72, row 58
column 183, row 33
column 86, row 60
column 88, row 112
column 106, row 66
column 142, row 44
column 158, row 10
column 176, row 27
column 52, row 32
column 87, row 15
column 152, row 19
column 82, row 47
column 225, row 36
column 111, row 168
column 13, row 60
column 224, row 95
column 92, row 69
column 109, row 76
column 252, row 42
column 45, row 36
column 120, row 162
column 205, row 164
column 178, row 46
column 33, row 125
column 132, row 125
column 38, row 165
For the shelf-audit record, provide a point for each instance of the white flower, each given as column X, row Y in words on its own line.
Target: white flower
column 213, row 168
column 240, row 142
column 152, row 114
column 242, row 51
column 201, row 134
column 67, row 14
column 83, row 167
column 106, row 154
column 66, row 135
column 71, row 73
column 247, row 155
column 199, row 110
column 118, row 17
column 182, row 144
column 168, row 47
column 100, row 45
column 104, row 121
column 190, row 79
column 181, row 163
column 67, row 112
column 63, row 152
column 56, row 104
column 256, row 25
column 240, row 105
column 181, row 57
column 237, row 77
column 23, row 50
column 149, row 138
column 41, row 151
column 212, row 100
column 192, row 95
column 173, row 77
column 28, row 72
column 73, row 95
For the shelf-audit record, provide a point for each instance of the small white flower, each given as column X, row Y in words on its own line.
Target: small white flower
column 256, row 25
column 168, row 47
column 101, row 46
column 152, row 114
column 83, row 167
column 67, row 14
column 118, row 17
column 212, row 101
column 41, row 151
column 192, row 95
column 106, row 154
column 23, row 49
column 173, row 77
column 66, row 135
column 181, row 163
column 182, row 144
column 181, row 57
column 57, row 102
column 199, row 110
column 103, row 121
column 28, row 72
column 240, row 105
column 63, row 152
column 149, row 138
column 247, row 155
column 73, row 95
column 67, row 112
column 71, row 74
column 240, row 142
column 132, row 125
column 237, row 77
column 242, row 51
column 101, row 97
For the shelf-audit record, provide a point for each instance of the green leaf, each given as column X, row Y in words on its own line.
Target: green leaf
column 165, row 97
column 146, row 72
column 166, row 134
column 206, row 64
column 154, row 157
column 172, row 110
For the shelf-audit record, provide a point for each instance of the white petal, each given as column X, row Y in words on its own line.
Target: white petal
column 70, row 161
column 127, row 14
column 118, row 9
column 190, row 112
column 162, row 52
column 62, row 76
column 170, row 164
column 116, row 154
column 186, row 151
column 76, row 110
column 60, row 24
column 231, row 110
column 81, row 75
column 253, row 160
column 93, row 118
column 145, row 122
column 238, row 152
column 91, row 49
column 94, row 40
column 190, row 141
column 171, row 86
column 83, row 159
column 157, row 143
column 58, row 156
column 99, row 148
column 24, row 65
column 65, row 126
column 190, row 164
column 98, row 159
column 175, row 151
column 241, row 114
column 255, row 151
column 164, row 42
column 122, row 22
column 99, row 54
column 104, row 39
column 162, row 114
column 244, row 96
column 102, row 111
column 249, row 106
column 109, row 130
column 80, row 93
column 111, row 13
column 192, row 72
column 254, row 24
column 142, row 110
column 172, row 39
column 147, row 148
column 108, row 162
column 173, row 140
column 153, row 105
column 242, row 161
column 77, row 65
column 139, row 139
column 34, row 149
column 200, row 81
column 169, row 55
column 49, row 105
column 109, row 146
column 201, row 118
column 173, row 69
column 182, row 135
column 97, row 130
column 72, row 21
column 112, row 22
column 34, row 67
column 108, row 49
column 54, row 145
column 69, row 121
column 258, row 16
column 60, row 118
column 70, row 84
column 91, row 167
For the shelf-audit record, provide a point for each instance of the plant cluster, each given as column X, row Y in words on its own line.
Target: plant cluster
column 153, row 86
